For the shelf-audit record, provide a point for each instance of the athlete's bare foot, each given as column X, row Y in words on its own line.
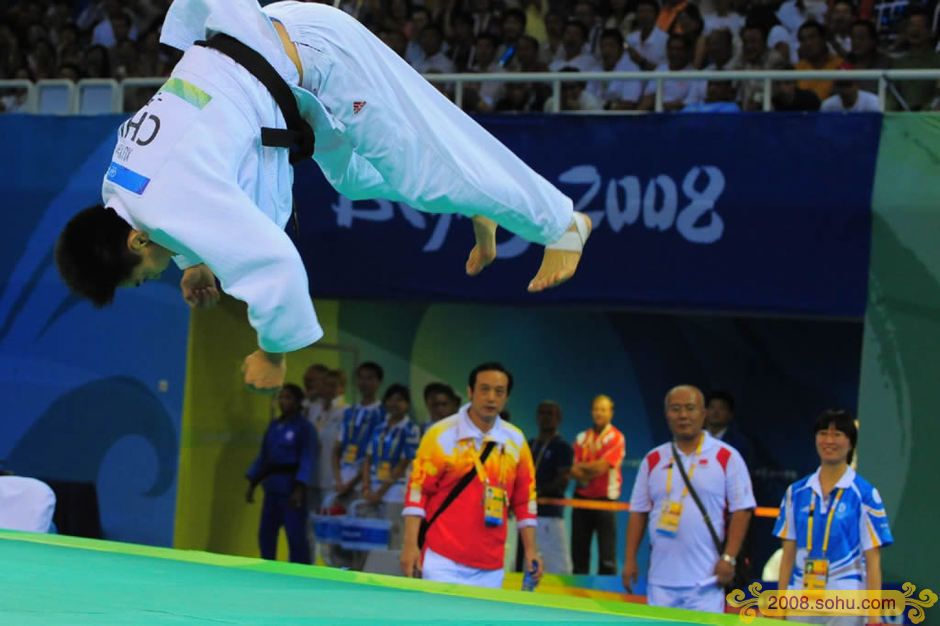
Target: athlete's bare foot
column 561, row 258
column 483, row 253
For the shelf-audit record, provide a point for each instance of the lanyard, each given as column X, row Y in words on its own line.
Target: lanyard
column 390, row 434
column 542, row 450
column 481, row 471
column 359, row 426
column 809, row 522
column 698, row 451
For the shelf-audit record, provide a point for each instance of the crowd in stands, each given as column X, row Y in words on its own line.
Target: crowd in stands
column 75, row 39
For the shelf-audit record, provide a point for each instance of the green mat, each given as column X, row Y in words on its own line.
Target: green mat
column 52, row 579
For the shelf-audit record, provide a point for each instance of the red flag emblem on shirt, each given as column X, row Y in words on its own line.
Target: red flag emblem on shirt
column 358, row 106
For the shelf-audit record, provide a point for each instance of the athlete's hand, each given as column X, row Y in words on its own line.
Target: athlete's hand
column 630, row 573
column 198, row 286
column 411, row 561
column 531, row 557
column 264, row 372
column 724, row 571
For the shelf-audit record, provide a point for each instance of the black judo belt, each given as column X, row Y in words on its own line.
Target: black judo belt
column 298, row 136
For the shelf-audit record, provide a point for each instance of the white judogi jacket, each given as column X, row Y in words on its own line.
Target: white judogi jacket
column 190, row 170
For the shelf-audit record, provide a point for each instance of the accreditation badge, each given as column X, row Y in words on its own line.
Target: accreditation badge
column 815, row 573
column 494, row 504
column 384, row 472
column 352, row 451
column 669, row 518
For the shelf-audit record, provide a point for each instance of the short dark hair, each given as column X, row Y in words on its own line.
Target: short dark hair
column 490, row 366
column 749, row 25
column 869, row 26
column 613, row 33
column 295, row 391
column 92, row 256
column 397, row 390
column 677, row 37
column 439, row 387
column 812, row 24
column 843, row 422
column 848, row 2
column 488, row 37
column 372, row 365
column 580, row 26
column 649, row 3
column 719, row 394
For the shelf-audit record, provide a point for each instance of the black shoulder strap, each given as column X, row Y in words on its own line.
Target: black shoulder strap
column 701, row 507
column 458, row 488
column 298, row 131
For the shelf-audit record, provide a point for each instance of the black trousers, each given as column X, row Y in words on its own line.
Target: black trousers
column 584, row 524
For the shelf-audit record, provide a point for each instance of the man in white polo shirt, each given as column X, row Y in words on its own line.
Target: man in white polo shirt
column 686, row 569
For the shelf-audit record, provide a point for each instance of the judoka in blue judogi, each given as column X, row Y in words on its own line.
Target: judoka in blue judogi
column 285, row 467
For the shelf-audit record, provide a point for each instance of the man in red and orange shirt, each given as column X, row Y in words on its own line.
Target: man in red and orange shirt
column 598, row 455
column 466, row 542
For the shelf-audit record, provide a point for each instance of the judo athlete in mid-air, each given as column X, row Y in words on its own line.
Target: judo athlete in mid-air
column 201, row 176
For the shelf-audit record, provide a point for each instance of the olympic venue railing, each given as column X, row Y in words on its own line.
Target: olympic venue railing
column 100, row 96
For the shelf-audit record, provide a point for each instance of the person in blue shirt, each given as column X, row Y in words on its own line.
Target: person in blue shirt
column 359, row 424
column 832, row 522
column 391, row 450
column 285, row 467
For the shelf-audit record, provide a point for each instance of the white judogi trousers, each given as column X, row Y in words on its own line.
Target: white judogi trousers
column 402, row 140
column 709, row 598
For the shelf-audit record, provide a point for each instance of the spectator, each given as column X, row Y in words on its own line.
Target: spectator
column 395, row 39
column 585, row 13
column 689, row 24
column 794, row 13
column 677, row 94
column 777, row 37
column 441, row 401
column 95, row 62
column 621, row 17
column 461, row 41
column 598, row 456
column 392, row 448
column 814, row 539
column 816, row 56
column 686, row 569
column 359, row 424
column 314, row 401
column 647, row 44
column 719, row 98
column 553, row 459
column 527, row 60
column 719, row 419
column 554, row 32
column 490, row 459
column 719, row 50
column 285, row 467
column 433, row 58
column 668, row 14
column 107, row 30
column 485, row 62
column 575, row 96
column 865, row 54
column 124, row 60
column 420, row 17
column 517, row 98
column 787, row 96
column 617, row 94
column 850, row 99
column 485, row 20
column 534, row 20
column 916, row 95
column 42, row 60
column 69, row 71
column 724, row 18
column 573, row 51
column 755, row 56
column 512, row 30
column 841, row 17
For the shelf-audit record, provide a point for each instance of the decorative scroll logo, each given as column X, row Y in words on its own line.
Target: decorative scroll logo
column 774, row 603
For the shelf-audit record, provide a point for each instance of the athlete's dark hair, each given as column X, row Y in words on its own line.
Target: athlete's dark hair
column 372, row 365
column 92, row 255
column 397, row 390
